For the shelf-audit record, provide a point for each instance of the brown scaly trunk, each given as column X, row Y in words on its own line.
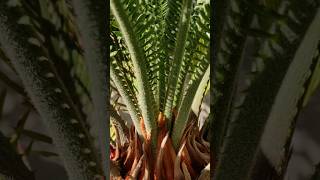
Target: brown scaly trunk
column 136, row 161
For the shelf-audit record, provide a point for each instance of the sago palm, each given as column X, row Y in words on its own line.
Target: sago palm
column 160, row 70
column 265, row 66
column 263, row 55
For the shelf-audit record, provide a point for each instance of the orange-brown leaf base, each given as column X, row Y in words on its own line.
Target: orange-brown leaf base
column 136, row 160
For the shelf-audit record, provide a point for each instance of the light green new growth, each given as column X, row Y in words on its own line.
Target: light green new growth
column 145, row 97
column 184, row 24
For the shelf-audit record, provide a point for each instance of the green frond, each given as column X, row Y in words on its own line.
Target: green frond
column 229, row 40
column 119, row 125
column 197, row 60
column 168, row 41
column 281, row 63
column 54, row 23
column 92, row 18
column 145, row 98
column 127, row 95
column 202, row 91
column 121, row 59
column 148, row 26
column 184, row 23
column 285, row 118
column 24, row 46
column 198, row 34
column 186, row 103
column 146, row 20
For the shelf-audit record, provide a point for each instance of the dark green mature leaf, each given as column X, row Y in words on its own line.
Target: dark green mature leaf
column 283, row 117
column 279, row 150
column 92, row 19
column 62, row 42
column 284, row 62
column 24, row 46
column 233, row 19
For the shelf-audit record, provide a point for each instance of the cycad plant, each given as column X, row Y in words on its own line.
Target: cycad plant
column 160, row 70
column 265, row 66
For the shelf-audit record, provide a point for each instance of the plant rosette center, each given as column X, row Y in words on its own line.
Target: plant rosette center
column 136, row 162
